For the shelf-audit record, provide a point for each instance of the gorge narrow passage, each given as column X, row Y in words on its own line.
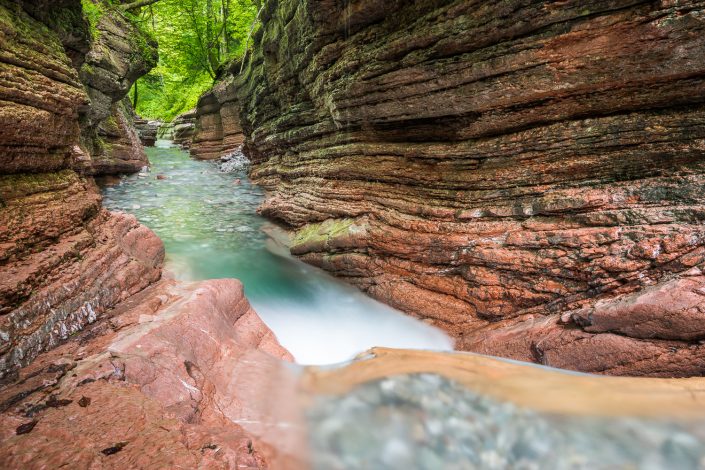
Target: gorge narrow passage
column 209, row 225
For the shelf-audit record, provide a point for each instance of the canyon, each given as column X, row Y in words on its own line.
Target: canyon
column 526, row 176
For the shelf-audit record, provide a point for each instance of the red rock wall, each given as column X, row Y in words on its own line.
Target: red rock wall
column 218, row 131
column 174, row 388
column 63, row 259
column 526, row 175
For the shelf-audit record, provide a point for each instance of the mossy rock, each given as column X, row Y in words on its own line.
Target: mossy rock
column 25, row 184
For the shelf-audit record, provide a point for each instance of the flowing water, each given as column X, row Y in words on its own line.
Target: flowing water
column 210, row 228
column 208, row 221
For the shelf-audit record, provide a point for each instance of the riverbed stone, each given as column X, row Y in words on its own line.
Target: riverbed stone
column 485, row 433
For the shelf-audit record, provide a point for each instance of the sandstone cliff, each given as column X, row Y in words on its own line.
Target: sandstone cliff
column 218, row 131
column 526, row 174
column 63, row 259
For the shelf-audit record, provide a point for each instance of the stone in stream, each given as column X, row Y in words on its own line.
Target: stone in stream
column 427, row 422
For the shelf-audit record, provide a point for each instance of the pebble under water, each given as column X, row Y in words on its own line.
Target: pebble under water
column 428, row 422
column 211, row 230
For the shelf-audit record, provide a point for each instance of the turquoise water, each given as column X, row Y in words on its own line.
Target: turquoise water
column 210, row 228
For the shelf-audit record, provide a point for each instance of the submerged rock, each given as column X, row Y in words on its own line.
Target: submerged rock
column 424, row 410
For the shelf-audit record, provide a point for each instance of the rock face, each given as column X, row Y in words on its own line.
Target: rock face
column 218, row 131
column 63, row 260
column 120, row 53
column 526, row 175
column 183, row 128
column 147, row 130
column 117, row 147
column 149, row 387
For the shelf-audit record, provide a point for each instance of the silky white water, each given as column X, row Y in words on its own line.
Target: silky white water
column 210, row 229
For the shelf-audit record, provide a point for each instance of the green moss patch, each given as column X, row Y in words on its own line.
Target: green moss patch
column 25, row 184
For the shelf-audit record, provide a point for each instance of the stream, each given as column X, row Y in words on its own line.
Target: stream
column 207, row 219
column 210, row 228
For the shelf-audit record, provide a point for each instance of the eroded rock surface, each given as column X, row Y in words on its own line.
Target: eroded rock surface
column 147, row 130
column 149, row 386
column 526, row 175
column 218, row 131
column 183, row 128
column 120, row 53
column 63, row 259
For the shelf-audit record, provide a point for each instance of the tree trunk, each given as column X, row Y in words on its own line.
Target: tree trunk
column 137, row 4
column 226, row 37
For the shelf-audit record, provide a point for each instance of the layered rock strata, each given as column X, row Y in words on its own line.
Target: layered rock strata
column 117, row 147
column 147, row 130
column 150, row 386
column 526, row 175
column 218, row 131
column 120, row 53
column 183, row 128
column 63, row 259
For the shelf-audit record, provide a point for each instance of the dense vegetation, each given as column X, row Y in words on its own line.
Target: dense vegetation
column 195, row 38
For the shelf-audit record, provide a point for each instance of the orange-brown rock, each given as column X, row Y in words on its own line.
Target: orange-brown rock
column 63, row 259
column 218, row 131
column 526, row 175
column 183, row 128
column 151, row 385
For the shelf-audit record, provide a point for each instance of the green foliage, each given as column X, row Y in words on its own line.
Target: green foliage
column 195, row 37
column 93, row 13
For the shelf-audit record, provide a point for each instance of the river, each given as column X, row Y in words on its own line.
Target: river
column 209, row 225
column 210, row 228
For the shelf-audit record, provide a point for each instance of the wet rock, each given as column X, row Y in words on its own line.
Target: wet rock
column 234, row 161
column 490, row 168
column 183, row 128
column 160, row 385
column 114, row 449
column 388, row 424
column 147, row 130
column 54, row 402
column 26, row 428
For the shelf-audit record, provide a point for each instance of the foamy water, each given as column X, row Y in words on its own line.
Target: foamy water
column 209, row 226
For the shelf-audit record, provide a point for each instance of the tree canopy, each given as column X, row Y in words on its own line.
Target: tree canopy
column 195, row 37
